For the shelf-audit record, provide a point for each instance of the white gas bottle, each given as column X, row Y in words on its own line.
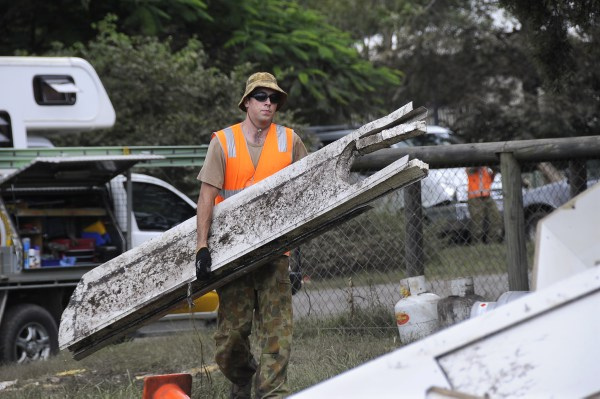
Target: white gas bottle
column 480, row 308
column 416, row 313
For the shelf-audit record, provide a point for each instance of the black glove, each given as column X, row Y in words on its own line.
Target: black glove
column 296, row 280
column 203, row 263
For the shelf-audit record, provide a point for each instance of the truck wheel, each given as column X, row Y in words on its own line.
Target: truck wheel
column 532, row 222
column 28, row 333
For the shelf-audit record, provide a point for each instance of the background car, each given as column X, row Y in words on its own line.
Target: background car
column 444, row 191
column 436, row 135
column 452, row 217
column 441, row 186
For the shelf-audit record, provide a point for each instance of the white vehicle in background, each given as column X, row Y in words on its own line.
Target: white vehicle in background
column 62, row 216
column 441, row 186
column 443, row 191
column 50, row 95
column 436, row 135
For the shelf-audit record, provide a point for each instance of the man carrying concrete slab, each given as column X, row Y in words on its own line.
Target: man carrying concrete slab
column 239, row 156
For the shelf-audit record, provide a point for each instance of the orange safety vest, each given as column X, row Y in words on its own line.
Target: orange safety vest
column 239, row 169
column 480, row 182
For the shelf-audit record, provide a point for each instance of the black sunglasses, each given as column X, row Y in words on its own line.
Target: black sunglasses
column 261, row 96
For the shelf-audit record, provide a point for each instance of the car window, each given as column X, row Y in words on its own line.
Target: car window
column 157, row 208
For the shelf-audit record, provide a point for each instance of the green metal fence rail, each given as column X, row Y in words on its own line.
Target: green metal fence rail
column 193, row 155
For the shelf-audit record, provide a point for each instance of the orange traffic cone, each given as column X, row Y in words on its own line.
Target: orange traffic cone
column 168, row 386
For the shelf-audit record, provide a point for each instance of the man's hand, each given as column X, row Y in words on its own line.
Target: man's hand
column 203, row 263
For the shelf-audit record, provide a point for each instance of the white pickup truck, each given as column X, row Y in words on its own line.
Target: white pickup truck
column 62, row 216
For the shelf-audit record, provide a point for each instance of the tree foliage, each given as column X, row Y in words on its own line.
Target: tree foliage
column 562, row 41
column 161, row 97
column 371, row 23
column 327, row 79
column 451, row 55
column 487, row 81
column 547, row 24
column 319, row 65
column 33, row 25
column 340, row 61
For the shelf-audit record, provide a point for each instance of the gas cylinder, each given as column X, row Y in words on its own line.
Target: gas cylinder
column 480, row 308
column 416, row 313
column 457, row 306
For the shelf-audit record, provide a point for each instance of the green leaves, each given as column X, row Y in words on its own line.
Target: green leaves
column 326, row 77
column 303, row 78
column 33, row 25
column 162, row 97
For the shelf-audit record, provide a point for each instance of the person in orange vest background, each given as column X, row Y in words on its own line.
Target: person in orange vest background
column 239, row 156
column 486, row 223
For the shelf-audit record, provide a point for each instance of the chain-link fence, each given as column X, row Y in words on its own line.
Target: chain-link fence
column 352, row 273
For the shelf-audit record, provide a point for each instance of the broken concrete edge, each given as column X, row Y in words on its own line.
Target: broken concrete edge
column 98, row 273
column 104, row 334
column 378, row 178
column 404, row 114
column 385, row 138
column 95, row 341
column 393, row 135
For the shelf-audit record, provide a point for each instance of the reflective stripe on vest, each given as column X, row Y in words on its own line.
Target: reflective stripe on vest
column 480, row 183
column 240, row 173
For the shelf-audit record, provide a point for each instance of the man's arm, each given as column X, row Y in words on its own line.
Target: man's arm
column 206, row 203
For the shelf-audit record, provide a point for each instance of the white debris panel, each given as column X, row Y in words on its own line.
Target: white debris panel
column 568, row 239
column 542, row 345
column 250, row 228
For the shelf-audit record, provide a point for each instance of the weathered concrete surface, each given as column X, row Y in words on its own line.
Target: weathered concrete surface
column 248, row 229
column 542, row 345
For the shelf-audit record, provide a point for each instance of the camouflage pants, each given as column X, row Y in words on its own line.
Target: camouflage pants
column 485, row 220
column 264, row 295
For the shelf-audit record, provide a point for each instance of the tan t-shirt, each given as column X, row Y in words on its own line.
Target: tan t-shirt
column 213, row 169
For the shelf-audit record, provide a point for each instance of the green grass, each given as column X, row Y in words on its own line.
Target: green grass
column 359, row 279
column 117, row 371
column 322, row 348
column 454, row 261
column 445, row 263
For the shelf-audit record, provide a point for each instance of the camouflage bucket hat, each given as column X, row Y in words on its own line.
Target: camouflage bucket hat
column 262, row 79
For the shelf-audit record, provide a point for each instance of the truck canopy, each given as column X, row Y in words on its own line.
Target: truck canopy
column 71, row 172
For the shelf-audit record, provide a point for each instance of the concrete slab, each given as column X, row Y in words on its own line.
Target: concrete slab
column 248, row 229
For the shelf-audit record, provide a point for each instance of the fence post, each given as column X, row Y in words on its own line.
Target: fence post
column 514, row 223
column 413, row 243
